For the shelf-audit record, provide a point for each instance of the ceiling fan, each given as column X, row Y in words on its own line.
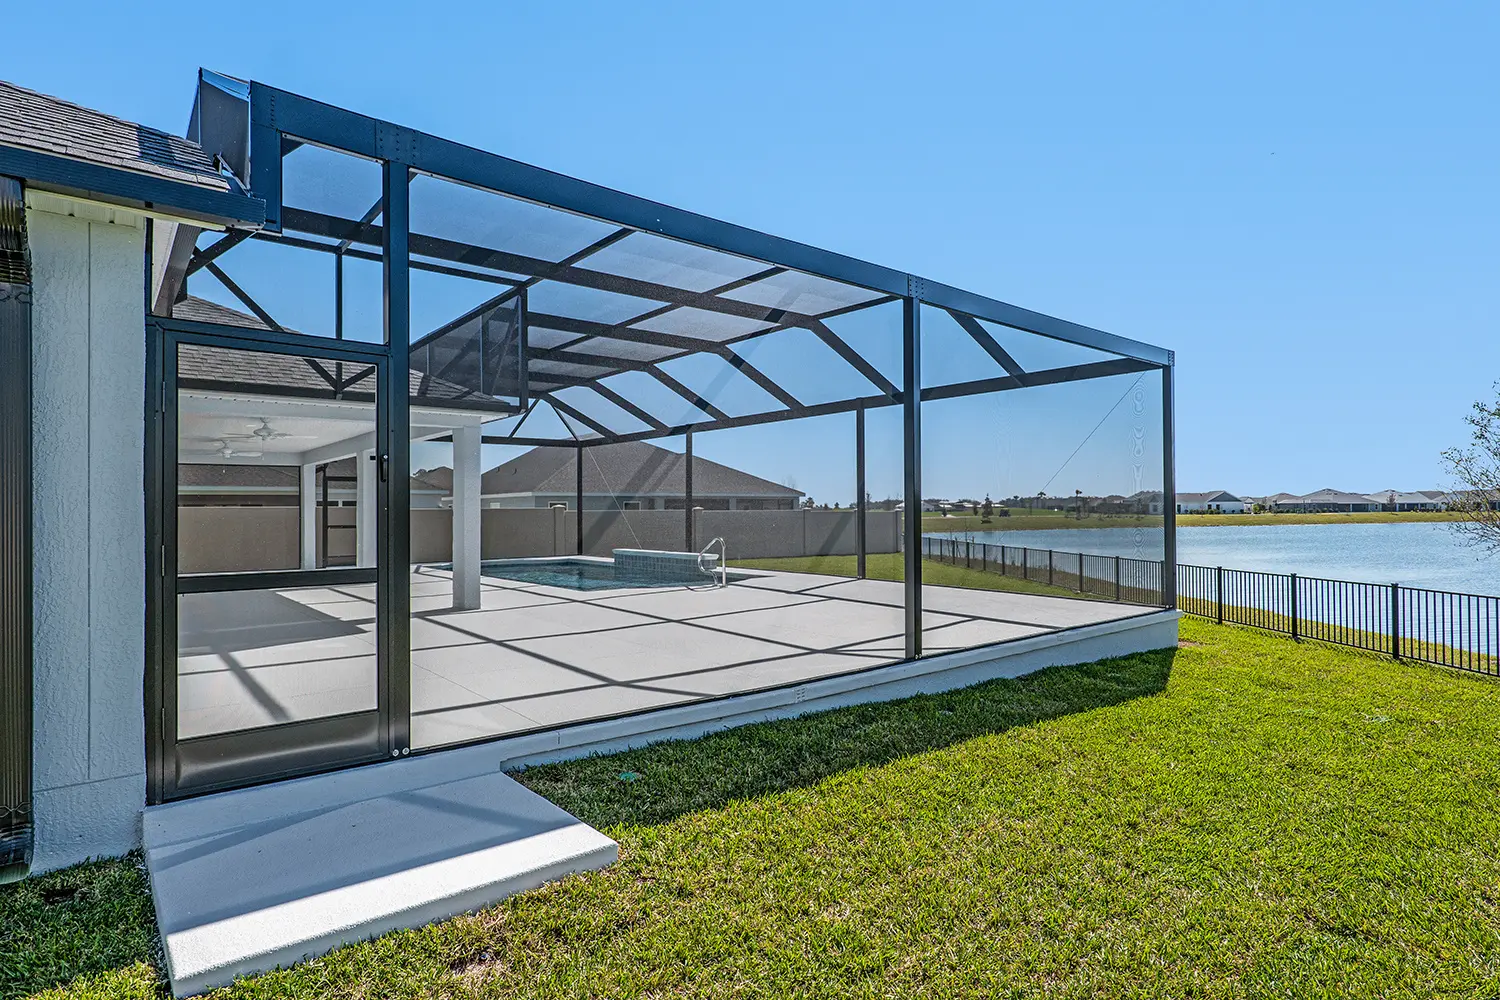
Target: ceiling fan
column 224, row 449
column 264, row 432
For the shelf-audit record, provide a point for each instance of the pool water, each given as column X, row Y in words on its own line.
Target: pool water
column 581, row 574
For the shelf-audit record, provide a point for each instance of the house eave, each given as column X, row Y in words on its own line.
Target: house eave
column 131, row 189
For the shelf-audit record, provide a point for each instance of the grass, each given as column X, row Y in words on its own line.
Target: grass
column 1043, row 520
column 889, row 566
column 1021, row 520
column 91, row 926
column 1243, row 816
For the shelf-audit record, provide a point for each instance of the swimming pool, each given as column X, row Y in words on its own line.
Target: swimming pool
column 585, row 574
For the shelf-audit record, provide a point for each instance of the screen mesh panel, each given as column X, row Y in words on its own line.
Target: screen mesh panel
column 482, row 354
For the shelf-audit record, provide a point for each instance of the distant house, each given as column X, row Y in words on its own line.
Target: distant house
column 1146, row 501
column 1214, row 501
column 1327, row 501
column 1469, row 499
column 1399, row 500
column 632, row 475
column 1275, row 500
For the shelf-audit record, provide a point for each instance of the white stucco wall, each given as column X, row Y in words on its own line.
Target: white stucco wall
column 88, row 384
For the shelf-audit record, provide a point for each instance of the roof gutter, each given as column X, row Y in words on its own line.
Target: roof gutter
column 131, row 189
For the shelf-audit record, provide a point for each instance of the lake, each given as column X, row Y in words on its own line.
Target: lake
column 1418, row 554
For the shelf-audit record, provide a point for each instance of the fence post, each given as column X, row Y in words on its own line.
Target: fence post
column 1025, row 563
column 1293, row 580
column 1117, row 578
column 1004, row 570
column 984, row 557
column 1080, row 572
column 1219, row 591
column 1395, row 621
column 1049, row 566
column 968, row 554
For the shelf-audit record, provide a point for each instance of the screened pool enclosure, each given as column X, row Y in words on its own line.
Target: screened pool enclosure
column 456, row 448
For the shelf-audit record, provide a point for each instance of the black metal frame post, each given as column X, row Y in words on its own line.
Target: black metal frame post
column 911, row 435
column 860, row 544
column 578, row 507
column 323, row 519
column 1168, row 490
column 1395, row 621
column 687, row 505
column 393, row 523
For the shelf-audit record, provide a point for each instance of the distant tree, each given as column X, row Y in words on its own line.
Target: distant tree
column 808, row 503
column 988, row 510
column 1477, row 471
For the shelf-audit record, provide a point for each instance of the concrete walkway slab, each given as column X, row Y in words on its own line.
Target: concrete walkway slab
column 260, row 878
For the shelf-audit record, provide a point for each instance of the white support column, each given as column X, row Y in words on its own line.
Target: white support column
column 364, row 521
column 309, row 516
column 466, row 555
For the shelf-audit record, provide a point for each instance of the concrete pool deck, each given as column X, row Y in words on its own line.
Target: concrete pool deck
column 533, row 657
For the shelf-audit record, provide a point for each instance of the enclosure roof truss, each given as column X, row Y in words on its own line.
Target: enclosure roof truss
column 695, row 286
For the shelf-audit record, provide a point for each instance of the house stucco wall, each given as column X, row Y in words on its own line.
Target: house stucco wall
column 89, row 597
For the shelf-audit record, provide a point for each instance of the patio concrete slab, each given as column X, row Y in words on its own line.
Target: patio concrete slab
column 535, row 656
column 256, row 879
column 667, row 604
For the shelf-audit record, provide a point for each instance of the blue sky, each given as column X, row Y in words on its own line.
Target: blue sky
column 1299, row 199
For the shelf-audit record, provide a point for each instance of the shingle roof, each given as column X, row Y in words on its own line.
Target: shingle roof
column 192, row 478
column 45, row 124
column 1399, row 496
column 281, row 371
column 630, row 468
column 1330, row 495
column 1209, row 497
column 197, row 310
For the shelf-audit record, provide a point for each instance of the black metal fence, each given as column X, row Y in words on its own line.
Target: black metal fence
column 1412, row 623
column 1115, row 578
column 1433, row 626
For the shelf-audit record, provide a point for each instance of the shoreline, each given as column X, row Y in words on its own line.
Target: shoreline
column 1058, row 522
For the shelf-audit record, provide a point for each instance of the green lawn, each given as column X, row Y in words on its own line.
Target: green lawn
column 889, row 566
column 1021, row 519
column 1243, row 816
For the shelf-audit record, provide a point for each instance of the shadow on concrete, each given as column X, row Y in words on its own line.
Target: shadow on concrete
column 658, row 783
column 255, row 619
